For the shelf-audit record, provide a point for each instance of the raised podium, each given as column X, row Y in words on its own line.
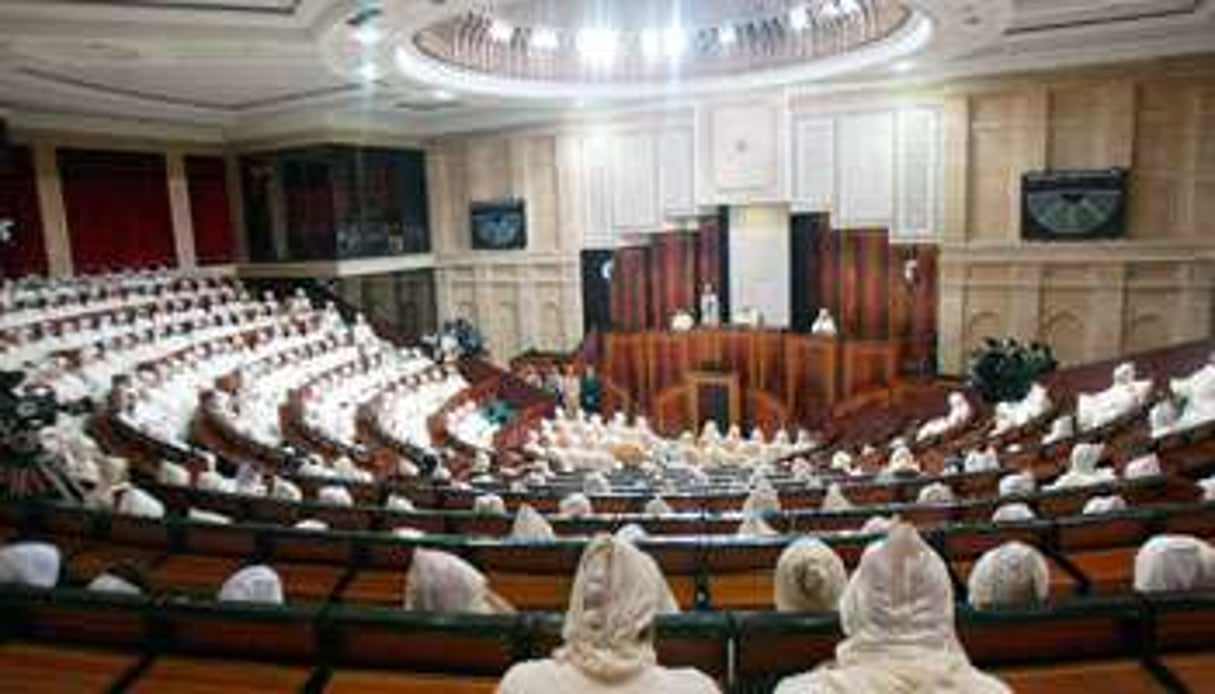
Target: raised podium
column 769, row 378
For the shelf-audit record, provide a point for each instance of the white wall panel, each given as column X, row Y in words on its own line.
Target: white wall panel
column 919, row 172
column 866, row 169
column 742, row 155
column 676, row 172
column 814, row 164
column 635, row 182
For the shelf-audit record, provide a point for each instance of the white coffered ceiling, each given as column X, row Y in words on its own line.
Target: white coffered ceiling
column 241, row 69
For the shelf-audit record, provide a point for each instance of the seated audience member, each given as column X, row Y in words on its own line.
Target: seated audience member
column 198, row 515
column 1099, row 505
column 834, row 499
column 1017, row 512
column 1017, row 484
column 33, row 564
column 935, row 493
column 1094, row 410
column 1012, row 575
column 334, row 495
column 897, row 613
column 810, row 577
column 902, row 463
column 631, row 532
column 762, row 499
column 1162, row 418
column 958, row 415
column 133, row 501
column 1206, row 485
column 575, row 505
column 985, row 460
column 824, row 324
column 1082, row 467
column 122, row 579
column 657, row 506
column 1010, row 415
column 756, row 526
column 1064, row 427
column 258, row 584
column 1197, row 394
column 1174, row 562
column 609, row 631
column 1141, row 467
column 530, row 525
column 489, row 505
column 442, row 582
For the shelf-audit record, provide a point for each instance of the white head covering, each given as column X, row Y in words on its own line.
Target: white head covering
column 755, row 525
column 442, row 582
column 575, row 505
column 335, row 495
column 935, row 493
column 312, row 524
column 1174, row 562
column 1011, row 575
column 897, row 614
column 631, row 532
column 762, row 499
column 258, row 583
column 285, row 490
column 396, row 502
column 876, row 525
column 657, row 506
column 1013, row 513
column 834, row 499
column 30, row 563
column 136, row 502
column 1104, row 504
column 173, row 475
column 109, row 583
column 1143, row 466
column 810, row 576
column 617, row 592
column 489, row 505
column 1017, row 483
column 596, row 483
column 1084, row 458
column 1207, row 485
column 530, row 525
column 204, row 516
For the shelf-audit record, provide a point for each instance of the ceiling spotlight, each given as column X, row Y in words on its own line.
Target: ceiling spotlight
column 830, row 10
column 799, row 18
column 368, row 34
column 500, row 31
column 597, row 45
column 544, row 39
column 903, row 66
column 369, row 72
column 727, row 35
column 848, row 6
column 674, row 41
column 442, row 95
column 651, row 43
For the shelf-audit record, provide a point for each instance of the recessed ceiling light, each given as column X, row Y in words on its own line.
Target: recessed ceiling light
column 368, row 34
column 799, row 18
column 500, row 31
column 442, row 95
column 544, row 39
column 651, row 43
column 674, row 41
column 903, row 66
column 597, row 45
column 369, row 72
column 727, row 35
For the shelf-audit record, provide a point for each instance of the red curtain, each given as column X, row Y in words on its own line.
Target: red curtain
column 25, row 254
column 117, row 206
column 207, row 179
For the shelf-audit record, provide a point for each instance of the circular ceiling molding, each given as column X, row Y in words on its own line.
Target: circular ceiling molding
column 624, row 49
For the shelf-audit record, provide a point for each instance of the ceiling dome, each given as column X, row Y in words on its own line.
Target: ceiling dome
column 633, row 48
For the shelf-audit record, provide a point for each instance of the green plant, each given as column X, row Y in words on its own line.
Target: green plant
column 1004, row 370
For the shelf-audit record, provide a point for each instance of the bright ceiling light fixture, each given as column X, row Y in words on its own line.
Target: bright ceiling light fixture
column 442, row 95
column 674, row 41
column 597, row 45
column 369, row 72
column 799, row 18
column 368, row 34
column 501, row 31
column 848, row 6
column 545, row 39
column 727, row 35
column 651, row 43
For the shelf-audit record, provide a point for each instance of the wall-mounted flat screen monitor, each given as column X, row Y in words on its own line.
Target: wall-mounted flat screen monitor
column 498, row 225
column 1073, row 205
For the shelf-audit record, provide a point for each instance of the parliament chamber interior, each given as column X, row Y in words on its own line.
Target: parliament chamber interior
column 531, row 346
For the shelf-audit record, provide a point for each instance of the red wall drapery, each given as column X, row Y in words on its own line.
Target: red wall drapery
column 117, row 206
column 207, row 179
column 26, row 253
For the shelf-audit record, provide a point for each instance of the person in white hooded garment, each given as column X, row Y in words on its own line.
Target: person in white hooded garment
column 1095, row 410
column 1082, row 468
column 258, row 583
column 442, row 582
column 33, row 564
column 897, row 613
column 958, row 415
column 824, row 324
column 608, row 636
column 810, row 577
column 1013, row 574
column 1173, row 563
column 530, row 525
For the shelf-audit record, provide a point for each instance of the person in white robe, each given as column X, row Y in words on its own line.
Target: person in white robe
column 763, row 499
column 1016, row 512
column 1010, row 415
column 935, row 493
column 958, row 415
column 107, row 582
column 1013, row 574
column 530, row 525
column 575, row 505
column 1174, row 563
column 1100, row 505
column 824, row 324
column 1017, row 484
column 657, row 506
column 755, row 526
column 442, row 582
column 1082, row 468
column 253, row 584
column 897, row 613
column 985, row 460
column 810, row 577
column 489, row 505
column 1063, row 427
column 1197, row 393
column 608, row 636
column 1094, row 410
column 1142, row 467
column 834, row 499
column 133, row 501
column 1162, row 418
column 34, row 564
